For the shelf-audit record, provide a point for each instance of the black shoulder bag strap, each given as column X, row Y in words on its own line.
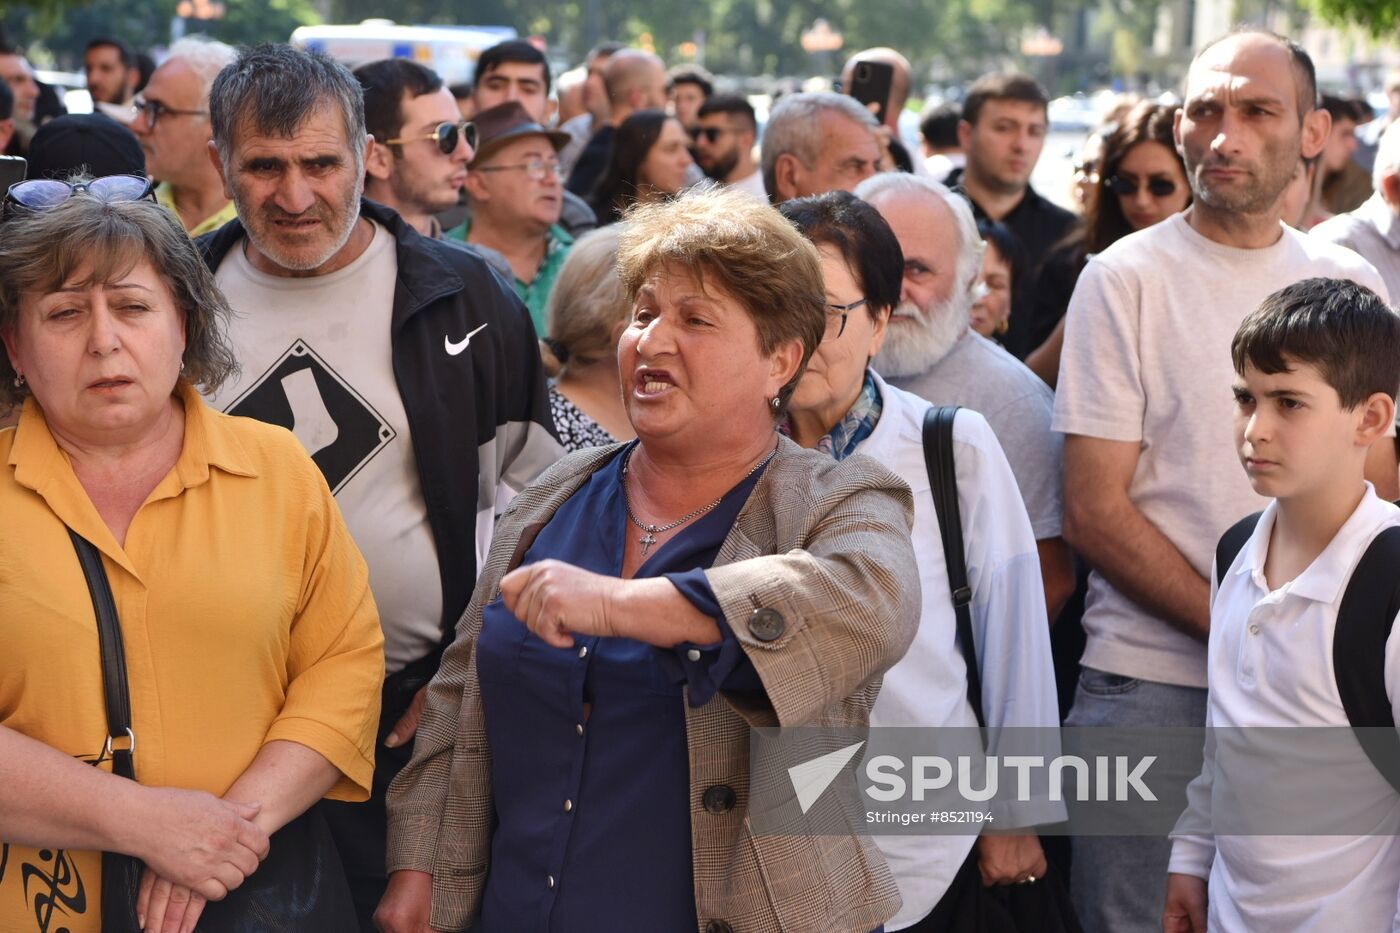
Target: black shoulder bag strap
column 121, row 874
column 1230, row 543
column 1369, row 607
column 943, row 482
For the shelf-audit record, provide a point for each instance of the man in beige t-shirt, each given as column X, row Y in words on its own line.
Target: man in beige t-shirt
column 1144, row 399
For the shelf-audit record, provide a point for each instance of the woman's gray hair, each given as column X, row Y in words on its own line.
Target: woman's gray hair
column 272, row 90
column 42, row 251
column 795, row 127
column 970, row 243
column 587, row 303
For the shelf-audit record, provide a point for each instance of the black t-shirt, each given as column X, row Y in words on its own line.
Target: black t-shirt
column 1039, row 226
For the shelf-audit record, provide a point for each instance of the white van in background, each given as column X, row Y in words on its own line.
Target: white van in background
column 451, row 51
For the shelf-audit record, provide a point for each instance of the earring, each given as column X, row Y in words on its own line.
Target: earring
column 182, row 366
column 777, row 402
column 19, row 380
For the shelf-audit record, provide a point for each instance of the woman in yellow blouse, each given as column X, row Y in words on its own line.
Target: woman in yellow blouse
column 253, row 649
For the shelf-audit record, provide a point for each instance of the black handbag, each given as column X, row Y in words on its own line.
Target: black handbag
column 300, row 886
column 1040, row 906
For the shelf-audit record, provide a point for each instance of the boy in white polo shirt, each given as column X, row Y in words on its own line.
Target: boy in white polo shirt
column 1317, row 366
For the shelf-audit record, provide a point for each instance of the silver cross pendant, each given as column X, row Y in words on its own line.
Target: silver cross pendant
column 647, row 541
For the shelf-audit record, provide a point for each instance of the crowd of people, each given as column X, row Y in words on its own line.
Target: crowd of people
column 348, row 408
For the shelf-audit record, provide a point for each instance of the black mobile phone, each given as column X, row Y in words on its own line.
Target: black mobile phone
column 870, row 84
column 12, row 171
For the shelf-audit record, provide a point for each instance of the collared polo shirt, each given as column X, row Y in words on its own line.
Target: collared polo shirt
column 1271, row 666
column 534, row 293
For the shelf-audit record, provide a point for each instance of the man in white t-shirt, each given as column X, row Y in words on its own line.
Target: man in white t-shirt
column 1145, row 401
column 406, row 367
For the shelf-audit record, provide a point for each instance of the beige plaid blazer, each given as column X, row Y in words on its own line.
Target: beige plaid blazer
column 823, row 544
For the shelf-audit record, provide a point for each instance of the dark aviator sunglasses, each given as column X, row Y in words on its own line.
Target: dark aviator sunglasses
column 445, row 135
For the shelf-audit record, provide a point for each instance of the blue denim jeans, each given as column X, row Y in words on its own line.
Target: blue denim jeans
column 1118, row 883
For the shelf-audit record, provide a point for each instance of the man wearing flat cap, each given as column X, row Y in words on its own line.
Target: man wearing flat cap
column 516, row 196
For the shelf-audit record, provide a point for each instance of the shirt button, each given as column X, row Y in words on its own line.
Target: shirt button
column 583, row 652
column 568, row 806
column 1254, row 630
column 549, row 880
column 693, row 654
column 578, row 727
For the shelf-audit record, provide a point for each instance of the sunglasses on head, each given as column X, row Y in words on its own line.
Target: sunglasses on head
column 445, row 135
column 711, row 133
column 1157, row 186
column 44, row 194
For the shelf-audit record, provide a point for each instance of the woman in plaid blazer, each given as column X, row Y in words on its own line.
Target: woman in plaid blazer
column 583, row 759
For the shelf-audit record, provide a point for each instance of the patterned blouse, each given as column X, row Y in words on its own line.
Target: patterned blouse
column 575, row 429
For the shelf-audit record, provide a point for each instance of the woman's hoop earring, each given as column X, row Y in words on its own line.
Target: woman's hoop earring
column 777, row 402
column 19, row 380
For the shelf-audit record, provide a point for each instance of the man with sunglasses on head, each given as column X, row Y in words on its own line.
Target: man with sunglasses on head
column 172, row 125
column 516, row 197
column 724, row 143
column 419, row 161
column 407, row 368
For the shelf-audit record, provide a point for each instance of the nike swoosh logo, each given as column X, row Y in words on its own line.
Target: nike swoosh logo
column 454, row 348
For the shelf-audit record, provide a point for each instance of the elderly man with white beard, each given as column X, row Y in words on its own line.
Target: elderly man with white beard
column 932, row 351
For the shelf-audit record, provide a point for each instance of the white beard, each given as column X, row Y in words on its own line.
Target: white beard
column 917, row 339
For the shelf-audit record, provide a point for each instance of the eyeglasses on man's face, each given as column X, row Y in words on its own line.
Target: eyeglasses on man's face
column 445, row 135
column 153, row 110
column 535, row 169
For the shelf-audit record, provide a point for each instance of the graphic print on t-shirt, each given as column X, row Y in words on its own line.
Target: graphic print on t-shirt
column 339, row 429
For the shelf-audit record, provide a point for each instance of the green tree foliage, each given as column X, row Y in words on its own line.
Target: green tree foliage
column 63, row 27
column 1379, row 17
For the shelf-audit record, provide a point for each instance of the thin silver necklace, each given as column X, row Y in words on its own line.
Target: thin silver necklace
column 648, row 539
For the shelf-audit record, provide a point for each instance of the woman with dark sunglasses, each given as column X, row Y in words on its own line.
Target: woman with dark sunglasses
column 253, row 657
column 1142, row 181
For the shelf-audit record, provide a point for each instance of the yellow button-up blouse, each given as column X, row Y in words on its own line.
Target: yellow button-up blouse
column 245, row 611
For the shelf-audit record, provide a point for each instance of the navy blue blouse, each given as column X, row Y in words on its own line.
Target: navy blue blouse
column 589, row 761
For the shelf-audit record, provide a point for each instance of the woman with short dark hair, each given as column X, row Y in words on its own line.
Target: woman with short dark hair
column 843, row 408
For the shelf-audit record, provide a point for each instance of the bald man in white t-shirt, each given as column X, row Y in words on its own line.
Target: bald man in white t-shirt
column 1144, row 399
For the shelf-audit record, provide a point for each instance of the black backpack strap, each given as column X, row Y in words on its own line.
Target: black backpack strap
column 943, row 482
column 1230, row 543
column 1369, row 607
